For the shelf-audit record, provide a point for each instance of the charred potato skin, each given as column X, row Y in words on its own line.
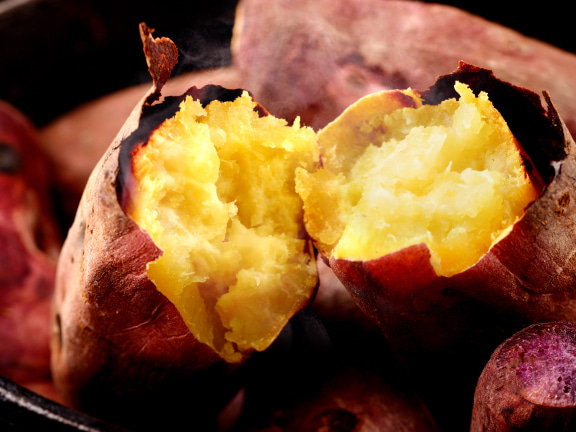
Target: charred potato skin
column 75, row 141
column 120, row 349
column 526, row 277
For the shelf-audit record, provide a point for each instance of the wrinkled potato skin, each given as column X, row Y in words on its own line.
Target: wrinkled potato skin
column 527, row 277
column 120, row 349
column 29, row 244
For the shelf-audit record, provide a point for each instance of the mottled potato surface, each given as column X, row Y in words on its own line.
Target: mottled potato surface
column 528, row 382
column 216, row 194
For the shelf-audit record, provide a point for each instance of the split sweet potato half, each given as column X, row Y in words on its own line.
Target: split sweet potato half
column 187, row 253
column 433, row 231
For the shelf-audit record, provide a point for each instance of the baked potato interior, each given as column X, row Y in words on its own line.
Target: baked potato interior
column 451, row 176
column 216, row 193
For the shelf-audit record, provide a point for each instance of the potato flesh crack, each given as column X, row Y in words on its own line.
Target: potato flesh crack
column 450, row 176
column 216, row 193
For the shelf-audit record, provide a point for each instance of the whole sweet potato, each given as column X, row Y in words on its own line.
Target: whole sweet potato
column 528, row 383
column 135, row 344
column 349, row 399
column 29, row 246
column 314, row 59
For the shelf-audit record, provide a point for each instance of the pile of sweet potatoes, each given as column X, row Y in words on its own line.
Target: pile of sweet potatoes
column 29, row 248
column 383, row 344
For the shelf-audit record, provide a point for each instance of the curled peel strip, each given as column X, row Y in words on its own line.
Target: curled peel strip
column 161, row 57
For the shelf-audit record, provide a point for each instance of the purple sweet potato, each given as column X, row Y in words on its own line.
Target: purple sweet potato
column 529, row 383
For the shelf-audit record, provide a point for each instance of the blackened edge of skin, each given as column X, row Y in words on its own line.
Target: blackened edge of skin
column 151, row 118
column 539, row 132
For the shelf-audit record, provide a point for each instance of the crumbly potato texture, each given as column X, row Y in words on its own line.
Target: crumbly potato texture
column 216, row 193
column 451, row 176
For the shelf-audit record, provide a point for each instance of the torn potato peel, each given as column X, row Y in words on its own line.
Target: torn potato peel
column 214, row 188
column 423, row 227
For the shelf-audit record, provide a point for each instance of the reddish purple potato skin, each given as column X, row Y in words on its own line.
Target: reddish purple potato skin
column 529, row 382
column 29, row 245
column 332, row 377
column 349, row 49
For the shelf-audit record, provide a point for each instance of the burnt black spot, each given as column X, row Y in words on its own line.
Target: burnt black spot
column 210, row 93
column 10, row 160
column 527, row 165
column 507, row 411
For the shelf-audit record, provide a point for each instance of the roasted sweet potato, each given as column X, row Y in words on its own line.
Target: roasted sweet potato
column 314, row 59
column 29, row 245
column 344, row 60
column 185, row 256
column 528, row 383
column 371, row 210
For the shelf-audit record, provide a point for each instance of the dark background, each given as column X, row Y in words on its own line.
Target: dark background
column 55, row 54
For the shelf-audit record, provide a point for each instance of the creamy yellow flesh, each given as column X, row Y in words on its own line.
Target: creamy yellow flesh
column 450, row 176
column 216, row 193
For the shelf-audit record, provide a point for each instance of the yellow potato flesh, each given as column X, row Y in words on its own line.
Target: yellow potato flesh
column 216, row 193
column 450, row 176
